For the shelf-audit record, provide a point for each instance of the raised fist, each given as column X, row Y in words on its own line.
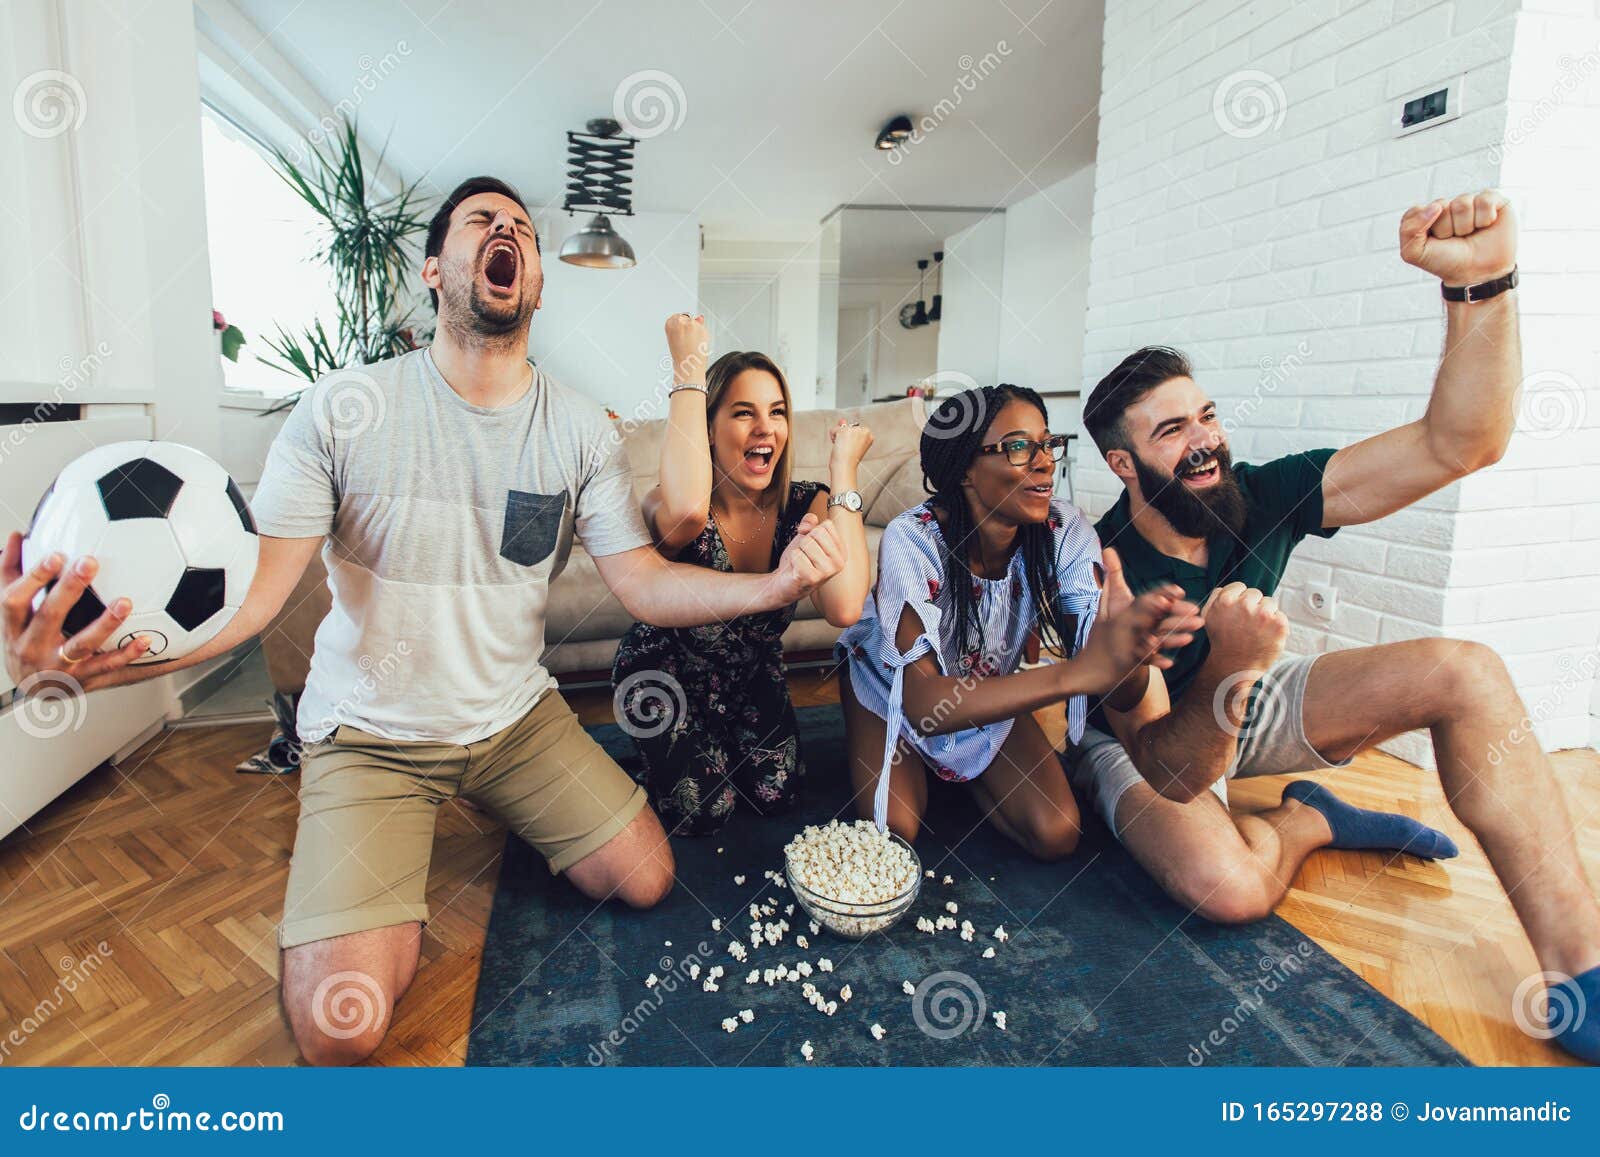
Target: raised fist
column 850, row 444
column 1462, row 241
column 1246, row 629
column 689, row 344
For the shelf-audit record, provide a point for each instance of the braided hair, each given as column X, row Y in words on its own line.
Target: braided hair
column 950, row 443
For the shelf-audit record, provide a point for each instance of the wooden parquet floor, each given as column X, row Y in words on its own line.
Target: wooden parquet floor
column 137, row 912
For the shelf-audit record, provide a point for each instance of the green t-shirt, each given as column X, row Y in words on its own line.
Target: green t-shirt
column 1283, row 500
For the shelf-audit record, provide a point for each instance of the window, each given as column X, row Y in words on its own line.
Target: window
column 262, row 238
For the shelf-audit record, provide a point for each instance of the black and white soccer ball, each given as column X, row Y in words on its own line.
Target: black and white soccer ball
column 172, row 535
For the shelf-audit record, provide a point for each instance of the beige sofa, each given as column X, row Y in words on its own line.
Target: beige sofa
column 585, row 621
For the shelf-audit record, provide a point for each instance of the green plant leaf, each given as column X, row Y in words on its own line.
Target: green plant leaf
column 367, row 242
column 232, row 339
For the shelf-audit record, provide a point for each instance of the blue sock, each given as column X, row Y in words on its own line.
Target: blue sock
column 1355, row 827
column 1575, row 1006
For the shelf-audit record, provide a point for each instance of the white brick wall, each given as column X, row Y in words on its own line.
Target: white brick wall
column 1268, row 254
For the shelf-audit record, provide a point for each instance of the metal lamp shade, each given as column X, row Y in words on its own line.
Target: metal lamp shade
column 598, row 246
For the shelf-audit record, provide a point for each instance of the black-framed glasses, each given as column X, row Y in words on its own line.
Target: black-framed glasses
column 1020, row 451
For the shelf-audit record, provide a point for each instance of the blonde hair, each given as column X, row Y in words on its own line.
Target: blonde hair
column 721, row 375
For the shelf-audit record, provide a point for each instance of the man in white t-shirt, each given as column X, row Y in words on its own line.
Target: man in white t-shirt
column 444, row 488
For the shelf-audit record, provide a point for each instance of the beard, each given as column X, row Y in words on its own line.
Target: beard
column 1196, row 514
column 473, row 315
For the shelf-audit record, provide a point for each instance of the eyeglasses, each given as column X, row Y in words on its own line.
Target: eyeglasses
column 1020, row 451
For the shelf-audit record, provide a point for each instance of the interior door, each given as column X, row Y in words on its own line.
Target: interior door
column 741, row 313
column 858, row 352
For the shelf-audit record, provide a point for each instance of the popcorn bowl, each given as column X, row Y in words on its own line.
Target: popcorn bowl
column 854, row 921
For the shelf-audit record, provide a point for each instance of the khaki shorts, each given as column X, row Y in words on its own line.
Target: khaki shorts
column 368, row 805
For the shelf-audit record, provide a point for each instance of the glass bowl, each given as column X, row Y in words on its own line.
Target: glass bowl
column 851, row 920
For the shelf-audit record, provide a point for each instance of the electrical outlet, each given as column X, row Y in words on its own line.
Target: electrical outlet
column 1430, row 106
column 1321, row 600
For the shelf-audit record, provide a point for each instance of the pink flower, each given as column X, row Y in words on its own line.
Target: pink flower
column 218, row 322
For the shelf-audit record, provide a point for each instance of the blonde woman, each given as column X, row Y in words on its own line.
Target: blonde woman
column 709, row 706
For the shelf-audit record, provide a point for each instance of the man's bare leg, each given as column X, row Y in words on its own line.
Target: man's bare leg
column 634, row 866
column 340, row 993
column 1502, row 789
column 1229, row 869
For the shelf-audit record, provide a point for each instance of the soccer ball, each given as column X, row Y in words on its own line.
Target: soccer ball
column 172, row 535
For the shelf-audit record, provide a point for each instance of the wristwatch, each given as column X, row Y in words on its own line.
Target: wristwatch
column 1482, row 291
column 850, row 500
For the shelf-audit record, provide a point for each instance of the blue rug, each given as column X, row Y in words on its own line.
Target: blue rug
column 1101, row 968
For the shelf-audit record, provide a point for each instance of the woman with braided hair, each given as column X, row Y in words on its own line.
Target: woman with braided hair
column 987, row 569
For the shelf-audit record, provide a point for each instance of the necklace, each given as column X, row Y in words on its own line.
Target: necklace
column 723, row 531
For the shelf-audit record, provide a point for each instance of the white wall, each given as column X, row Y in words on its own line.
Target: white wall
column 792, row 267
column 904, row 356
column 599, row 331
column 1268, row 253
column 974, row 271
column 1525, row 574
column 106, row 305
column 1046, row 287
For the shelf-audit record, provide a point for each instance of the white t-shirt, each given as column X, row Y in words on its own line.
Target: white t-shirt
column 445, row 524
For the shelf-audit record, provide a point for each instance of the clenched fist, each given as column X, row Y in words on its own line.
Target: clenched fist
column 689, row 344
column 1246, row 629
column 850, row 445
column 1462, row 241
column 814, row 557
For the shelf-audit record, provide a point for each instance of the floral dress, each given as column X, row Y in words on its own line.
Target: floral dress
column 708, row 707
column 911, row 573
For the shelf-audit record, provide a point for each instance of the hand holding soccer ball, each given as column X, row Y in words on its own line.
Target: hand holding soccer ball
column 138, row 552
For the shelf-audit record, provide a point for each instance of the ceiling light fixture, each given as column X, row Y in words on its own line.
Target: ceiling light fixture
column 599, row 178
column 894, row 134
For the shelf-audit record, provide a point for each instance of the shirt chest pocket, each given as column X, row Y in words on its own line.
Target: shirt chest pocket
column 532, row 526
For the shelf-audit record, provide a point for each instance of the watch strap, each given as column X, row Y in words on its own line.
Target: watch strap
column 1482, row 291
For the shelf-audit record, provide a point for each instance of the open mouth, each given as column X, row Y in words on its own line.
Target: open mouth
column 500, row 265
column 1040, row 489
column 759, row 459
column 1201, row 473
